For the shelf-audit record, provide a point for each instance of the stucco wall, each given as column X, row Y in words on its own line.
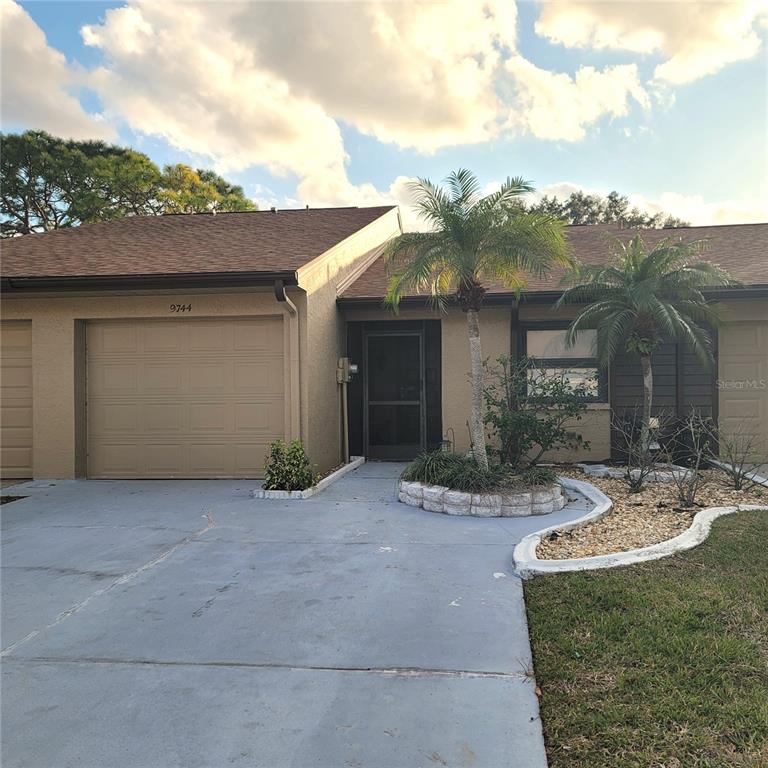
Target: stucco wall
column 323, row 334
column 57, row 357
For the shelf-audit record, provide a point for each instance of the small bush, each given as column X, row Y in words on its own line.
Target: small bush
column 527, row 411
column 535, row 476
column 461, row 473
column 288, row 468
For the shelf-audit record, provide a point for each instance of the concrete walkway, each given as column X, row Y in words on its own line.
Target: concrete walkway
column 180, row 623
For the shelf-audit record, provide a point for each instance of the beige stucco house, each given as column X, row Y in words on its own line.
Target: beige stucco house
column 180, row 346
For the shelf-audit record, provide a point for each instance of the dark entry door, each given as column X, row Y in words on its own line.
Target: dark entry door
column 394, row 395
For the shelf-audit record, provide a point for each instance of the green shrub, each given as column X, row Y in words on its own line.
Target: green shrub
column 527, row 410
column 452, row 470
column 463, row 473
column 534, row 476
column 288, row 468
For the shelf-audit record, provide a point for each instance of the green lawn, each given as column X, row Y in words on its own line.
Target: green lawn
column 662, row 665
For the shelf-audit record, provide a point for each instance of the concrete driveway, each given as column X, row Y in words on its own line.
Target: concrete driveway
column 180, row 623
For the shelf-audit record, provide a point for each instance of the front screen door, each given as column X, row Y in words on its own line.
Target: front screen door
column 394, row 396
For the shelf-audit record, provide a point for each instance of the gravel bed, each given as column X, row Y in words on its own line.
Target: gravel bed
column 640, row 519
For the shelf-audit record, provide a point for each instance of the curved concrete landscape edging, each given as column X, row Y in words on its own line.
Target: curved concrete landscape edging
column 527, row 564
column 523, row 503
column 354, row 463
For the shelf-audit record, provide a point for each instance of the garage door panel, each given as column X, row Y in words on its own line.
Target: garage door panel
column 263, row 418
column 265, row 376
column 16, row 399
column 114, row 418
column 184, row 398
column 162, row 378
column 163, row 418
column 746, row 338
column 115, row 339
column 164, row 337
column 743, row 373
column 269, row 340
column 209, row 337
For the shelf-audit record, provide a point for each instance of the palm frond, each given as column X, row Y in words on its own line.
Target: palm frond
column 657, row 293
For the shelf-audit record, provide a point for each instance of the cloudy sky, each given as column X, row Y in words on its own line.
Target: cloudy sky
column 340, row 103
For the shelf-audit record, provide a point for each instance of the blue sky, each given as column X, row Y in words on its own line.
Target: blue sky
column 665, row 105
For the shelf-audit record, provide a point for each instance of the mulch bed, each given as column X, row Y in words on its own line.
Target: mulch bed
column 640, row 519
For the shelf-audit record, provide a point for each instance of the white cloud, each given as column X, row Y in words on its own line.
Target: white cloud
column 694, row 38
column 417, row 74
column 36, row 81
column 228, row 82
column 557, row 106
column 699, row 212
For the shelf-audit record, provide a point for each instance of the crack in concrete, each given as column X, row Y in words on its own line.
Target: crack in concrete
column 124, row 579
column 97, row 575
column 382, row 671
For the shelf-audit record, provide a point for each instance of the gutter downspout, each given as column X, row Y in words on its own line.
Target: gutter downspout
column 294, row 368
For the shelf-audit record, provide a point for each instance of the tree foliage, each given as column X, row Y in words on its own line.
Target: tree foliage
column 582, row 208
column 48, row 183
column 474, row 240
column 644, row 297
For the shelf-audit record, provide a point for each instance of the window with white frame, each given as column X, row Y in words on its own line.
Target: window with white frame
column 578, row 364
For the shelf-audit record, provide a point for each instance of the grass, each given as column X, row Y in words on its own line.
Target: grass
column 662, row 665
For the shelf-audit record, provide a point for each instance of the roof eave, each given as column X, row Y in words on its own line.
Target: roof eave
column 158, row 281
column 539, row 297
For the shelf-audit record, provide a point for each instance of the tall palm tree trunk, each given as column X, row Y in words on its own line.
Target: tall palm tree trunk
column 476, row 429
column 645, row 430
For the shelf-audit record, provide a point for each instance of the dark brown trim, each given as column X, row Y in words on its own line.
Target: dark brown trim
column 541, row 297
column 364, row 302
column 160, row 281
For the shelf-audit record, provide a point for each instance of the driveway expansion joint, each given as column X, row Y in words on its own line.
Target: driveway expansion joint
column 384, row 671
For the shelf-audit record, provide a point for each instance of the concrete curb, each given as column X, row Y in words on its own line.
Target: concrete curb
column 527, row 564
column 538, row 500
column 354, row 463
column 753, row 476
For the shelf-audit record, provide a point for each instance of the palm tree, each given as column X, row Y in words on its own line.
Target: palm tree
column 643, row 298
column 474, row 240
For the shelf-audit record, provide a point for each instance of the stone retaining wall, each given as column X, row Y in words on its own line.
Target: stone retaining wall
column 436, row 498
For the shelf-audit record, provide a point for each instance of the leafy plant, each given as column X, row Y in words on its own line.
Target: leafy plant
column 526, row 411
column 464, row 473
column 288, row 468
column 452, row 470
column 533, row 476
column 474, row 240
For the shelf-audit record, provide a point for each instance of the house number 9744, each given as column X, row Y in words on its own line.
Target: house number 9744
column 180, row 307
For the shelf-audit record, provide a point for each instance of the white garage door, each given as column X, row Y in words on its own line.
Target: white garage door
column 743, row 386
column 183, row 398
column 16, row 399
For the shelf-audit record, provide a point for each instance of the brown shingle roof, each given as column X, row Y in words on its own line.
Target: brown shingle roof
column 741, row 249
column 254, row 241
